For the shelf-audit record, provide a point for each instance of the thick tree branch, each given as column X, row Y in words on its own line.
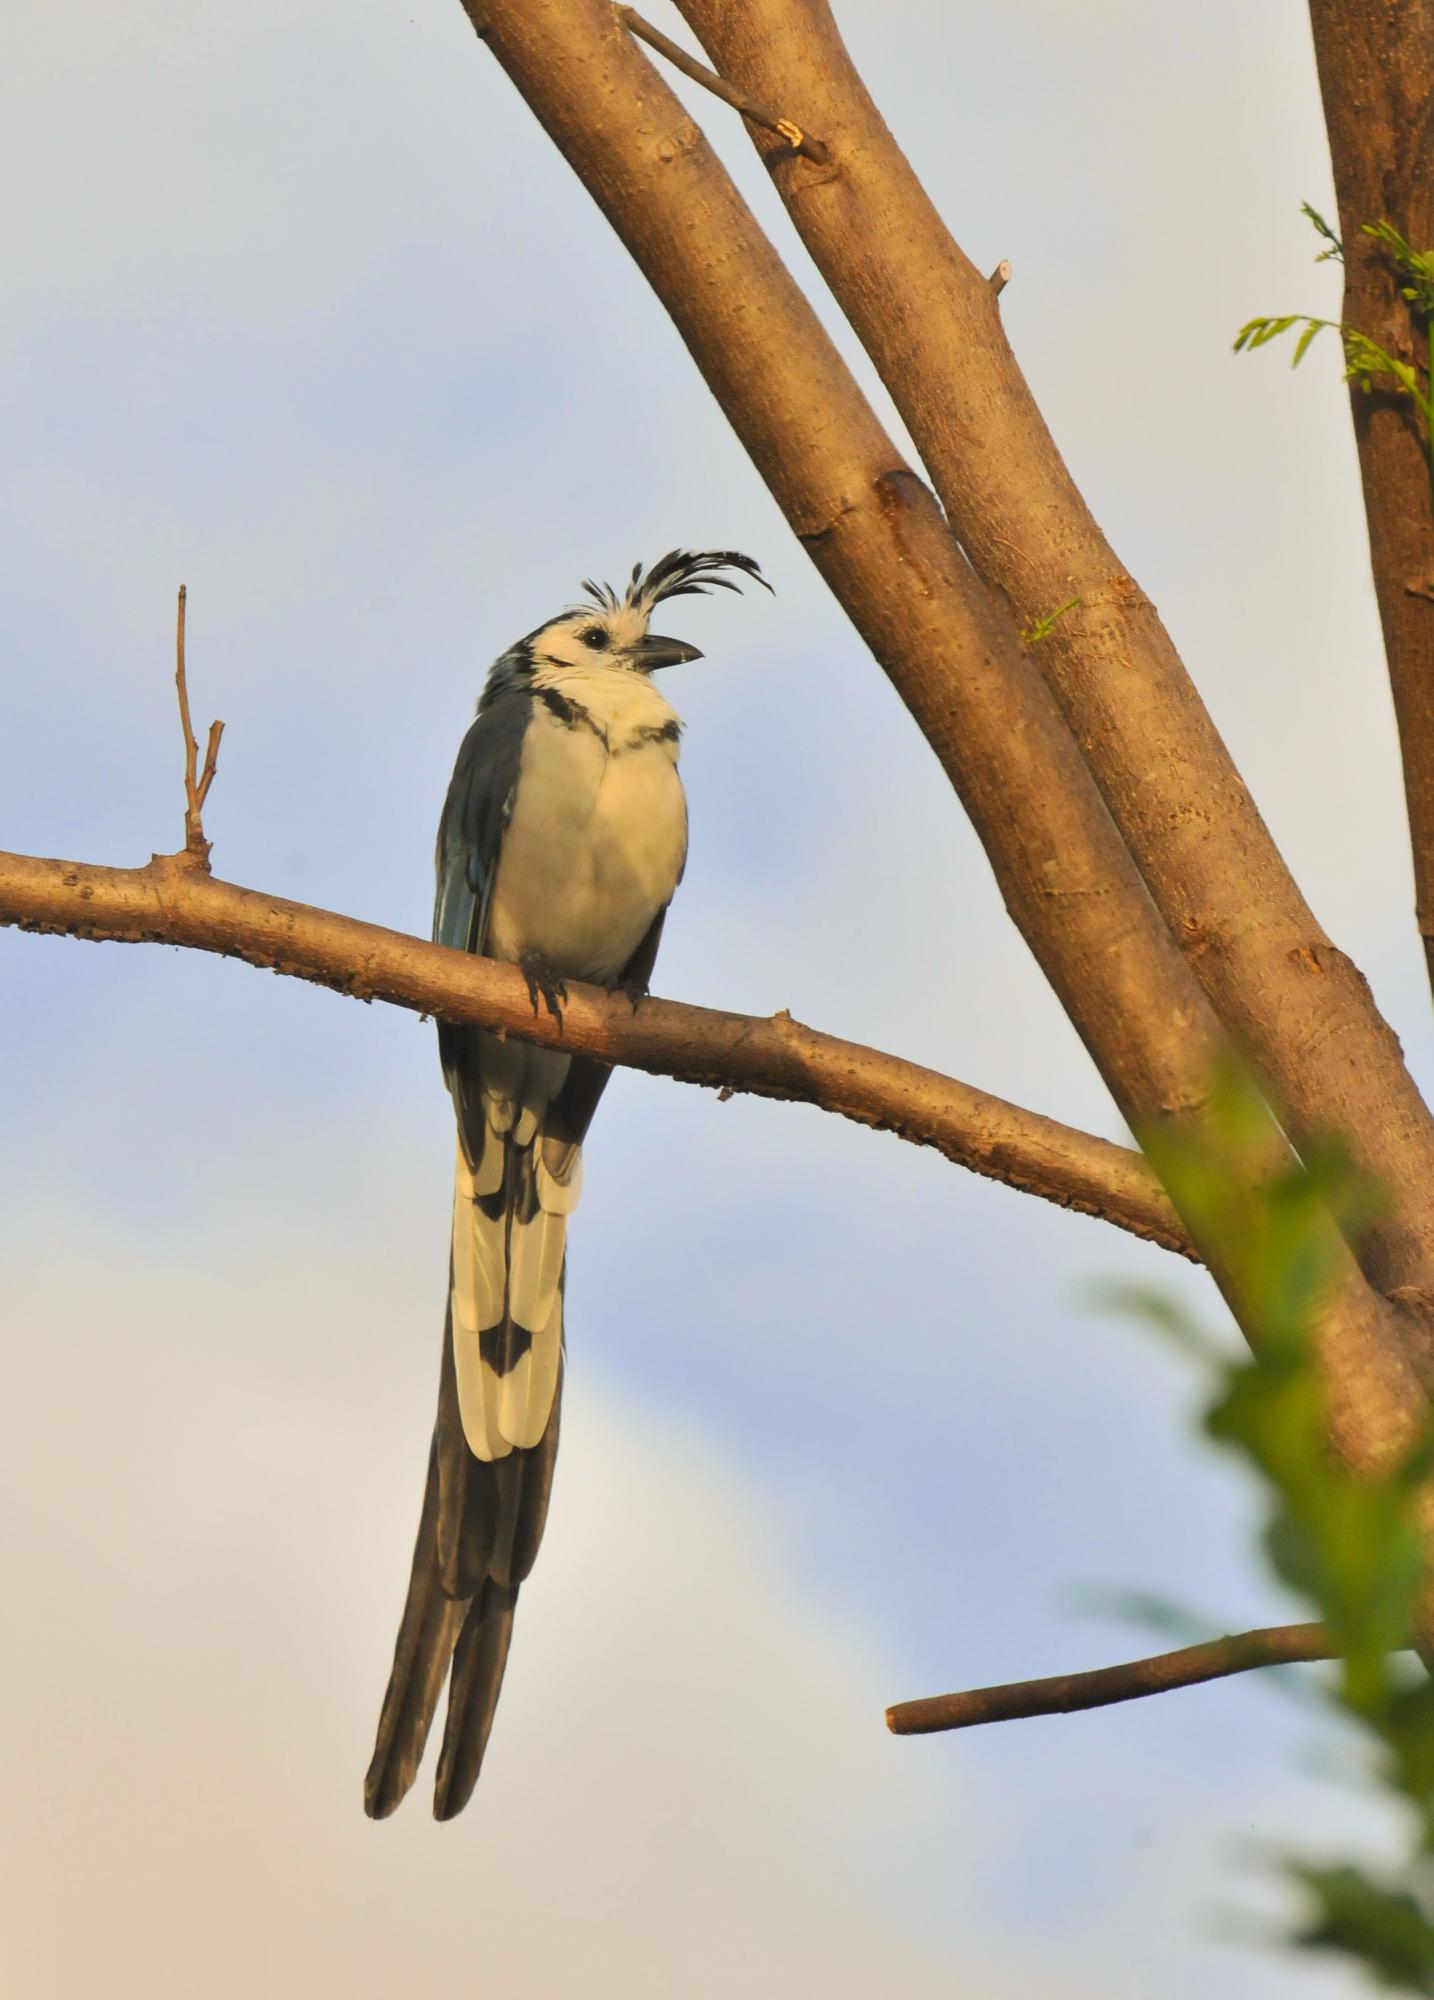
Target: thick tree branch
column 170, row 903
column 878, row 537
column 1063, row 1694
column 929, row 321
column 881, row 543
column 1376, row 70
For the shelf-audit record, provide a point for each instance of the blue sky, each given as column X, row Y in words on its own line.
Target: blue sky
column 304, row 311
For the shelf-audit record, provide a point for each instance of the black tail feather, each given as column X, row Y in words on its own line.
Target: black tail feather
column 477, row 1539
column 432, row 1621
column 478, row 1663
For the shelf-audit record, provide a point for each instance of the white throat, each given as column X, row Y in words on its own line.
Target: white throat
column 619, row 701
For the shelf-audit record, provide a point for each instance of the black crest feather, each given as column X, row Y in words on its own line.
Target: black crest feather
column 680, row 573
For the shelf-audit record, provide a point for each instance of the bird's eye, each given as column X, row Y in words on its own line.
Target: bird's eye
column 595, row 637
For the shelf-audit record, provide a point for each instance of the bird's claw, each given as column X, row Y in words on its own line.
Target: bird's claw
column 543, row 983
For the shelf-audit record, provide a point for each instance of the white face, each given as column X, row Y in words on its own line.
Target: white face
column 593, row 639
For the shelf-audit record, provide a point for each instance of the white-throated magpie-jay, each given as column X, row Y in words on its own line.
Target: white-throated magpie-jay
column 562, row 839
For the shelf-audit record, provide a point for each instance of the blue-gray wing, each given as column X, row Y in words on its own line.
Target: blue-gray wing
column 475, row 813
column 470, row 839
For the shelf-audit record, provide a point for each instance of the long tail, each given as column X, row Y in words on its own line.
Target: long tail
column 490, row 1469
column 477, row 1539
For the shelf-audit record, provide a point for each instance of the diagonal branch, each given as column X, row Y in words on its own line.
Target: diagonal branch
column 883, row 546
column 760, row 114
column 878, row 537
column 1296, row 1004
column 1376, row 72
column 169, row 903
column 1064, row 1694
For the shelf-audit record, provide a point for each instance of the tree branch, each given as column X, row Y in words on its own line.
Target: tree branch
column 1295, row 1003
column 878, row 537
column 760, row 114
column 1063, row 1694
column 882, row 544
column 170, row 903
column 1376, row 71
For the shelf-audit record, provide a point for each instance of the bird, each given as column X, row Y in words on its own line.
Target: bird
column 561, row 842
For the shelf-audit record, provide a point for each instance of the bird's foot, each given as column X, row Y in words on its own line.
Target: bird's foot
column 543, row 983
column 634, row 990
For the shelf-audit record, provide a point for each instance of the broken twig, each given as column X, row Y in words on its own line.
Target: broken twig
column 760, row 114
column 196, row 789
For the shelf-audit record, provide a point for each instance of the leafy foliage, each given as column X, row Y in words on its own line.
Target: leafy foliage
column 1382, row 1927
column 1364, row 357
column 1416, row 267
column 1349, row 1544
column 1333, row 251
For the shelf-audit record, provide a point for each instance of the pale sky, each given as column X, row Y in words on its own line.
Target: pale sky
column 302, row 309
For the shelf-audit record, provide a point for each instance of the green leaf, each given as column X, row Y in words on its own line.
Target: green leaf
column 1417, row 266
column 1273, row 328
column 1388, row 1929
column 1335, row 249
column 1350, row 1544
column 1313, row 328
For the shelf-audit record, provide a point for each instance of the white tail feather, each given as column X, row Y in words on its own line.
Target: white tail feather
column 500, row 1263
column 478, row 1399
column 488, row 1171
column 543, row 1076
column 525, row 1393
column 559, row 1195
column 499, row 1111
column 477, row 1255
column 535, row 1264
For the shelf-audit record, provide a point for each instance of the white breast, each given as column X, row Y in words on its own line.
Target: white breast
column 598, row 835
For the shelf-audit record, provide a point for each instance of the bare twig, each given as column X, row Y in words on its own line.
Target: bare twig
column 1000, row 277
column 196, row 789
column 1062, row 1694
column 760, row 114
column 170, row 902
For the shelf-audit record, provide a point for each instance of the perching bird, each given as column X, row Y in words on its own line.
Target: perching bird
column 563, row 837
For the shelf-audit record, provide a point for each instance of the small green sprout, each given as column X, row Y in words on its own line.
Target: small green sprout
column 1042, row 628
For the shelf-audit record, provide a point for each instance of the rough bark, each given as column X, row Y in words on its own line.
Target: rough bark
column 169, row 902
column 877, row 536
column 1376, row 69
column 881, row 543
column 930, row 322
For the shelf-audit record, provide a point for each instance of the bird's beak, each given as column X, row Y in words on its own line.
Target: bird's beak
column 654, row 651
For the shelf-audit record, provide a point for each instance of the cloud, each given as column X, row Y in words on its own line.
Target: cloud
column 689, row 1788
